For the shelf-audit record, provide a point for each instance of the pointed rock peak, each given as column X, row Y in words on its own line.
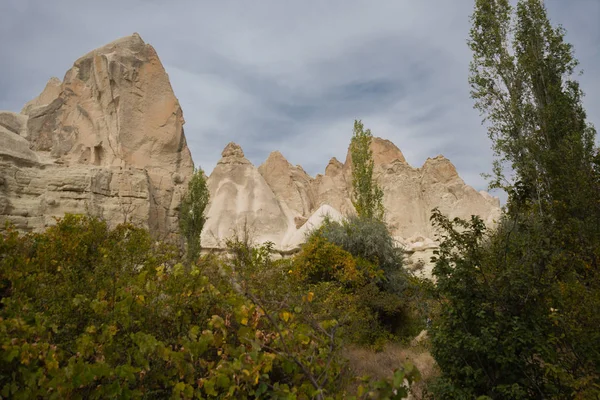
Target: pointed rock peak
column 49, row 94
column 334, row 161
column 233, row 150
column 233, row 154
column 132, row 43
column 54, row 81
column 440, row 166
column 386, row 152
column 439, row 159
column 275, row 162
column 334, row 167
column 277, row 157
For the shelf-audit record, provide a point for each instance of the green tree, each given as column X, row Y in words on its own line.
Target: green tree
column 521, row 80
column 517, row 317
column 367, row 196
column 192, row 213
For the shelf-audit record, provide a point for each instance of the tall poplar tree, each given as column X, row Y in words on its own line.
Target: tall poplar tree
column 518, row 305
column 367, row 196
column 192, row 213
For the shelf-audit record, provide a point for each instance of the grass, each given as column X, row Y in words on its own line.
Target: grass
column 381, row 364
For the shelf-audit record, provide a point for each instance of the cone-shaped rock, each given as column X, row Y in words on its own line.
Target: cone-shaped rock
column 241, row 203
column 291, row 184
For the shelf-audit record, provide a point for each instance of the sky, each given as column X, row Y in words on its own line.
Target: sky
column 293, row 75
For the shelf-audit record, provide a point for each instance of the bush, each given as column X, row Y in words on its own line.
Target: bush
column 89, row 312
column 369, row 239
column 359, row 259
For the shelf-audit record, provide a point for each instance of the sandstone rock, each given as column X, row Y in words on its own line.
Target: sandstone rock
column 241, row 199
column 299, row 221
column 48, row 95
column 16, row 123
column 332, row 188
column 283, row 203
column 16, row 148
column 296, row 237
column 384, row 152
column 291, row 185
column 107, row 140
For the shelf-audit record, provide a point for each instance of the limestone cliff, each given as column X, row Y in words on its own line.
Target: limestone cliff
column 107, row 140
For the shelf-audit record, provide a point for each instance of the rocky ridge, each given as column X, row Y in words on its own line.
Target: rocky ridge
column 276, row 200
column 106, row 140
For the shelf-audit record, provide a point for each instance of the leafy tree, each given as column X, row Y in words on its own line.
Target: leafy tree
column 192, row 217
column 354, row 265
column 367, row 196
column 517, row 313
column 521, row 79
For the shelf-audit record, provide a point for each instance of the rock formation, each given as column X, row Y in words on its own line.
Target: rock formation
column 240, row 199
column 107, row 140
column 280, row 202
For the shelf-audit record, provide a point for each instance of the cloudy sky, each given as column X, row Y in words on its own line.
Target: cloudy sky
column 292, row 75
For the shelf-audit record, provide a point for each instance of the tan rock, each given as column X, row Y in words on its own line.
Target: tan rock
column 16, row 123
column 241, row 200
column 288, row 203
column 384, row 152
column 295, row 237
column 48, row 95
column 291, row 185
column 332, row 188
column 16, row 148
column 113, row 127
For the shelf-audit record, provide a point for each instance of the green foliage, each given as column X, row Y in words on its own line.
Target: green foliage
column 356, row 268
column 191, row 216
column 367, row 196
column 90, row 312
column 369, row 239
column 323, row 261
column 509, row 308
column 521, row 79
column 518, row 306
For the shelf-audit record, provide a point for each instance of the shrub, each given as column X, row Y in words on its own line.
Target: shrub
column 369, row 239
column 90, row 312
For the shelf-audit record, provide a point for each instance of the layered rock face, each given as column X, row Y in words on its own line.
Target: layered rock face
column 281, row 202
column 108, row 140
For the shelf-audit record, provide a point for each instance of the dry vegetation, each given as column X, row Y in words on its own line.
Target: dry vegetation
column 381, row 364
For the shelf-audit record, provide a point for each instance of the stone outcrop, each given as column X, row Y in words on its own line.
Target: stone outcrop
column 291, row 184
column 240, row 200
column 107, row 140
column 280, row 202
